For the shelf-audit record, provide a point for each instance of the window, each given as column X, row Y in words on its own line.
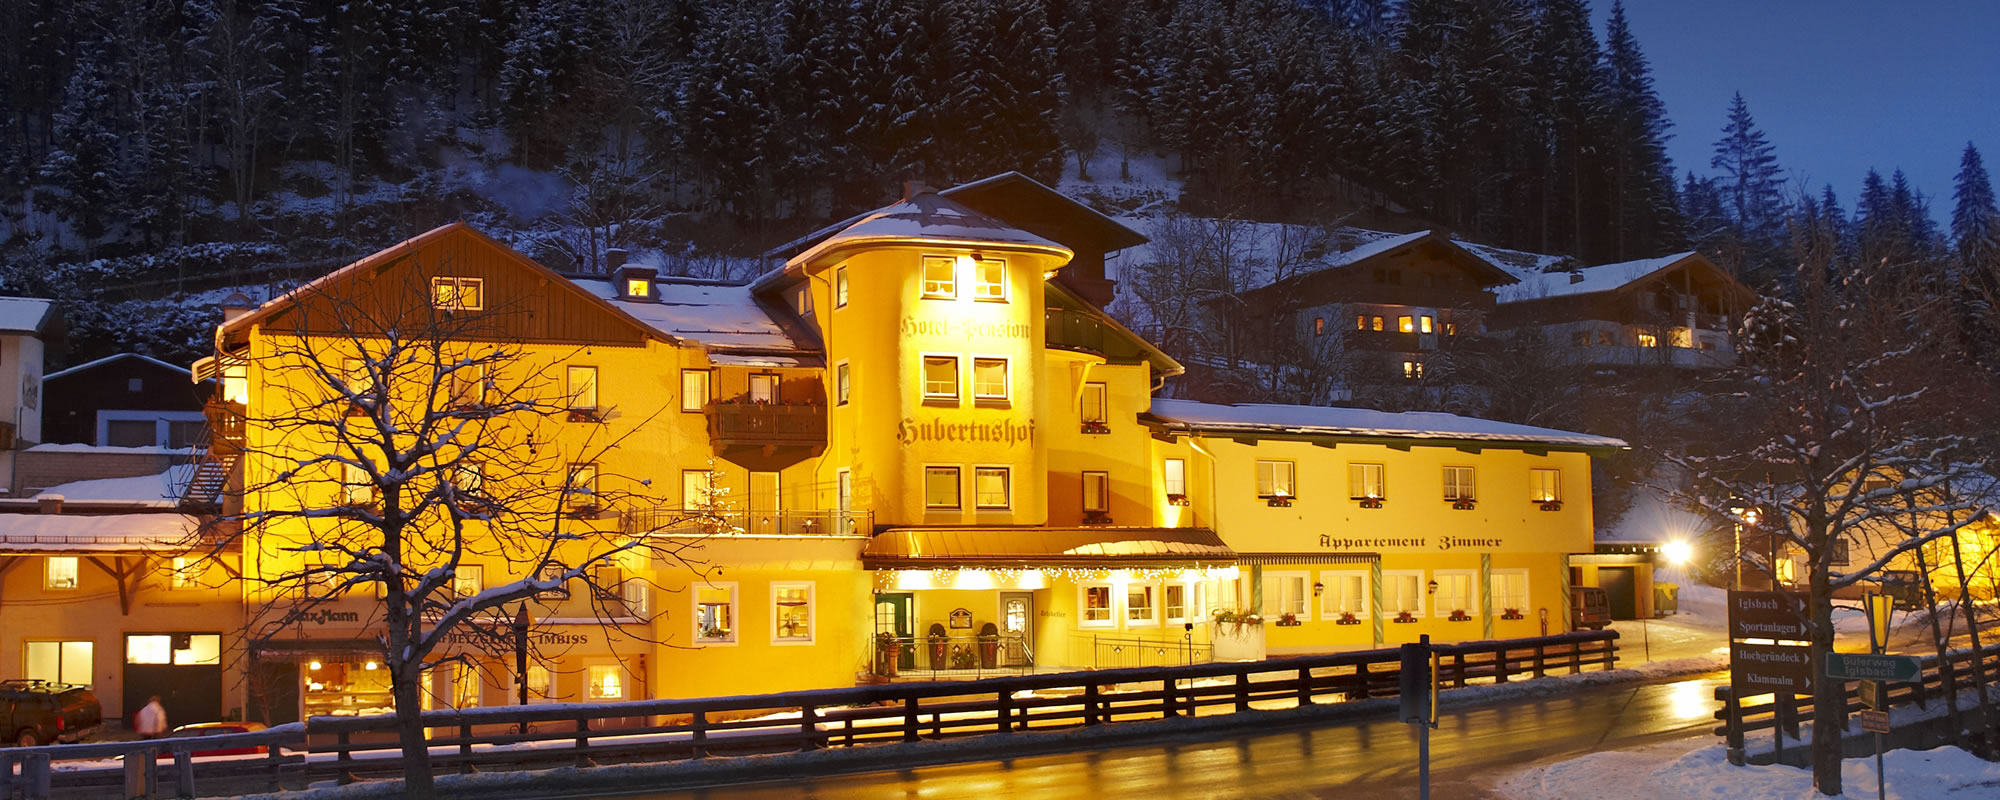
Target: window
column 792, row 613
column 1406, row 324
column 1456, row 593
column 135, row 384
column 356, row 487
column 1377, row 322
column 840, row 286
column 698, row 490
column 465, row 685
column 840, row 384
column 1139, row 605
column 553, row 573
column 458, row 294
column 1451, row 329
column 940, row 277
column 763, row 388
column 582, row 388
column 468, row 580
column 1096, row 492
column 637, row 595
column 940, row 487
column 1285, row 593
column 1096, row 606
column 990, row 487
column 605, row 682
column 1174, row 475
column 180, row 649
column 1510, row 591
column 715, row 613
column 183, row 434
column 805, row 299
column 582, row 487
column 469, row 386
column 638, row 287
column 1361, row 322
column 1424, row 324
column 1403, row 593
column 186, row 572
column 989, row 379
column 1544, row 485
column 843, row 490
column 1365, row 482
column 1344, row 593
column 1581, row 338
column 1094, row 405
column 1175, row 598
column 1604, row 338
column 541, row 684
column 992, row 283
column 359, row 380
column 60, row 662
column 940, row 377
column 694, row 389
column 1319, row 326
column 149, row 649
column 1413, row 370
column 1274, row 479
column 1458, row 484
column 1648, row 340
column 469, row 477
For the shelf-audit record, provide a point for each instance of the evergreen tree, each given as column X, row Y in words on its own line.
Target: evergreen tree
column 83, row 166
column 1975, row 220
column 1644, row 219
column 1751, row 192
column 1565, row 94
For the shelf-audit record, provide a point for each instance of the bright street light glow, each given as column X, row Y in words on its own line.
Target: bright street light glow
column 1678, row 552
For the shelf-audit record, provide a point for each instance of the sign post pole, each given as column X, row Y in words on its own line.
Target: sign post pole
column 1878, row 632
column 1417, row 692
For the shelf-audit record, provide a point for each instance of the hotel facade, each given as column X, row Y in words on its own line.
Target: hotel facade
column 933, row 455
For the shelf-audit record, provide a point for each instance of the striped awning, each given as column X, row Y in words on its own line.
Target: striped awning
column 1001, row 548
column 1288, row 559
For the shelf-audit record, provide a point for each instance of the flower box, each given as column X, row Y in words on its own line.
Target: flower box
column 1238, row 636
column 1371, row 502
column 1552, row 505
column 585, row 415
column 1289, row 621
column 1462, row 505
column 1404, row 616
column 1512, row 613
column 1460, row 616
column 1347, row 619
column 1096, row 427
column 1278, row 502
column 1096, row 518
column 1177, row 500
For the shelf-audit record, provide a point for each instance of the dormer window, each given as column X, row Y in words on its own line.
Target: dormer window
column 458, row 294
column 638, row 287
column 636, row 283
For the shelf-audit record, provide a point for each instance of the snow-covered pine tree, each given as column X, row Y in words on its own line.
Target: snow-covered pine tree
column 1644, row 219
column 82, row 167
column 1565, row 97
column 1752, row 192
column 1975, row 219
column 727, row 106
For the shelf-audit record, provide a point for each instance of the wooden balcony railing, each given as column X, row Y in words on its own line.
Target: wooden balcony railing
column 766, row 425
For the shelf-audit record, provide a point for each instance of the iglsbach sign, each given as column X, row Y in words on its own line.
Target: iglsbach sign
column 1767, row 615
column 1768, row 667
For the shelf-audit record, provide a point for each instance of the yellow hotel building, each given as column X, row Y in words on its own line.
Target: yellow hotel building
column 940, row 457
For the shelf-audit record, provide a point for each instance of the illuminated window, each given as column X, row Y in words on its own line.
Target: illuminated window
column 1377, row 322
column 1361, row 322
column 469, row 477
column 637, row 596
column 806, row 299
column 149, row 649
column 1451, row 329
column 1364, row 481
column 59, row 572
column 1455, row 593
column 1139, row 605
column 1648, row 340
column 582, row 485
column 1413, row 369
column 556, row 575
column 605, row 682
column 186, row 573
column 582, row 388
column 1174, row 475
column 990, row 487
column 940, row 487
column 792, row 612
column 1581, row 338
column 1544, row 485
column 359, row 380
column 1274, row 479
column 469, row 386
column 638, row 287
column 941, row 377
column 59, row 662
column 1403, row 591
column 468, row 580
column 541, row 684
column 715, row 613
column 694, row 389
column 458, row 294
column 992, row 283
column 989, row 379
column 1095, row 404
column 698, row 490
column 1510, row 590
column 1343, row 593
column 465, row 685
column 184, row 649
column 763, row 388
column 1406, row 324
column 1285, row 593
column 1424, row 324
column 1458, row 483
column 1096, row 492
column 357, row 488
column 1319, row 326
column 840, row 286
column 1096, row 605
column 840, row 384
column 1174, row 597
column 940, row 277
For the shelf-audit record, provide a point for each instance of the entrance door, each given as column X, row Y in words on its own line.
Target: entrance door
column 764, row 504
column 1621, row 589
column 1017, row 628
column 895, row 613
column 184, row 670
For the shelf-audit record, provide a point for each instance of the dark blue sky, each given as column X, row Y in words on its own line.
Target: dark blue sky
column 1837, row 85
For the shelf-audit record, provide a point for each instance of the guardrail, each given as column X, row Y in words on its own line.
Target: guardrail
column 540, row 736
column 666, row 520
column 1740, row 717
column 1109, row 652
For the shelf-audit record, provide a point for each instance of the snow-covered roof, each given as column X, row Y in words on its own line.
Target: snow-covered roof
column 927, row 215
column 108, row 359
column 142, row 450
column 161, row 490
column 714, row 314
column 24, row 314
column 1592, row 279
column 57, row 533
column 1265, row 418
column 1519, row 263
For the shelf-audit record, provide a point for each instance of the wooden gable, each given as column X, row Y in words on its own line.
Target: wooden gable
column 517, row 298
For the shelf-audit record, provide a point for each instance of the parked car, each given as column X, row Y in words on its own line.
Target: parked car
column 218, row 729
column 36, row 712
column 1590, row 607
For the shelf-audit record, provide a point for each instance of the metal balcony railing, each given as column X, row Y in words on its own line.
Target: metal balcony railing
column 682, row 521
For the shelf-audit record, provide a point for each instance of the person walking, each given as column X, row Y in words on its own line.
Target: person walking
column 151, row 721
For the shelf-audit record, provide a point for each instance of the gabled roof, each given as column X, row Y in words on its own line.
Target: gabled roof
column 716, row 314
column 27, row 315
column 1611, row 278
column 927, row 216
column 1363, row 245
column 90, row 365
column 1259, row 420
column 990, row 193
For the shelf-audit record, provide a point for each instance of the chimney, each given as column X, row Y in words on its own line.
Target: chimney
column 911, row 189
column 614, row 257
column 49, row 503
column 235, row 305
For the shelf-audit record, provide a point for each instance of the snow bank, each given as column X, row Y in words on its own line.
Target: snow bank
column 1695, row 769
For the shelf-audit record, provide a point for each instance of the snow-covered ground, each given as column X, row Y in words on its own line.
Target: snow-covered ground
column 1694, row 769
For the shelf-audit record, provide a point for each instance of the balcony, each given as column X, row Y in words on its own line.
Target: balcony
column 766, row 425
column 668, row 521
column 1073, row 330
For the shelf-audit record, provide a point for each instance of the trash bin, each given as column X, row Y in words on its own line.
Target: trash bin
column 1666, row 599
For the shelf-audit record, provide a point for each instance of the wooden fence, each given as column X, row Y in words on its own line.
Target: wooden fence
column 1782, row 713
column 584, row 734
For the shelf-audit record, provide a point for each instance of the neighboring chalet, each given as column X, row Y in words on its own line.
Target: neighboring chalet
column 125, row 400
column 1675, row 311
column 26, row 324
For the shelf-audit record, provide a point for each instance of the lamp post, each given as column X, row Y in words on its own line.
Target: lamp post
column 1741, row 513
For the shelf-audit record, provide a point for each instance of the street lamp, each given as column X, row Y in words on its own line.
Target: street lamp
column 1741, row 512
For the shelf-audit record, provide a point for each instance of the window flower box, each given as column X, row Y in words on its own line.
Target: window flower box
column 585, row 415
column 1096, row 518
column 1552, row 505
column 1462, row 505
column 1096, row 427
column 1238, row 636
column 1289, row 621
column 1278, row 502
column 1404, row 616
column 1459, row 615
column 1347, row 618
column 1370, row 502
column 1512, row 613
column 1177, row 500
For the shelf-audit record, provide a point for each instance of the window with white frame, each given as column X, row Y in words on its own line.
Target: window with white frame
column 840, row 384
column 940, row 277
column 1544, row 485
column 1345, row 593
column 468, row 580
column 1510, row 591
column 59, row 662
column 470, row 387
column 764, row 387
column 715, row 613
column 186, row 572
column 637, row 595
column 792, row 613
column 176, row 430
column 1095, row 600
column 1139, row 610
column 582, row 488
column 458, row 294
column 991, row 487
column 989, row 379
column 553, row 574
column 1364, row 481
column 694, row 390
column 1458, row 484
column 940, row 377
column 941, row 487
column 991, row 283
column 541, row 684
column 1274, row 480
column 604, row 682
column 1174, row 601
column 840, row 286
column 1403, row 592
column 1458, row 591
column 1285, row 593
column 466, row 684
column 357, row 488
column 1095, row 404
column 582, row 389
column 1173, row 473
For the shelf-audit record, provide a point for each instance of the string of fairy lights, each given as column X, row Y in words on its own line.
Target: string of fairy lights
column 983, row 577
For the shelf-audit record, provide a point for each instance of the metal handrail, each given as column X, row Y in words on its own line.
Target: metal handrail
column 668, row 520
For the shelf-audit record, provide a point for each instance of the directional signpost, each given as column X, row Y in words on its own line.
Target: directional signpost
column 1418, row 692
column 1869, row 667
column 1768, row 653
column 1872, row 670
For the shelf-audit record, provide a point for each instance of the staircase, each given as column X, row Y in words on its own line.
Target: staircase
column 224, row 447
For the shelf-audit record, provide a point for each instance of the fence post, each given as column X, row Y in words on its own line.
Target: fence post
column 184, row 773
column 465, row 749
column 6, row 775
column 1575, row 658
column 1732, row 725
column 343, row 763
column 35, row 777
column 1610, row 655
column 276, row 760
column 1305, row 686
column 1361, row 681
column 699, row 724
column 583, row 741
column 1167, row 697
column 1541, row 656
column 911, row 726
column 1090, row 704
column 1003, row 704
column 1242, row 691
column 808, row 728
column 1458, row 667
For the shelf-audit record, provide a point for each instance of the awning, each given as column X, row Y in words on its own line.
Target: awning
column 1002, row 548
column 1294, row 559
column 110, row 533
